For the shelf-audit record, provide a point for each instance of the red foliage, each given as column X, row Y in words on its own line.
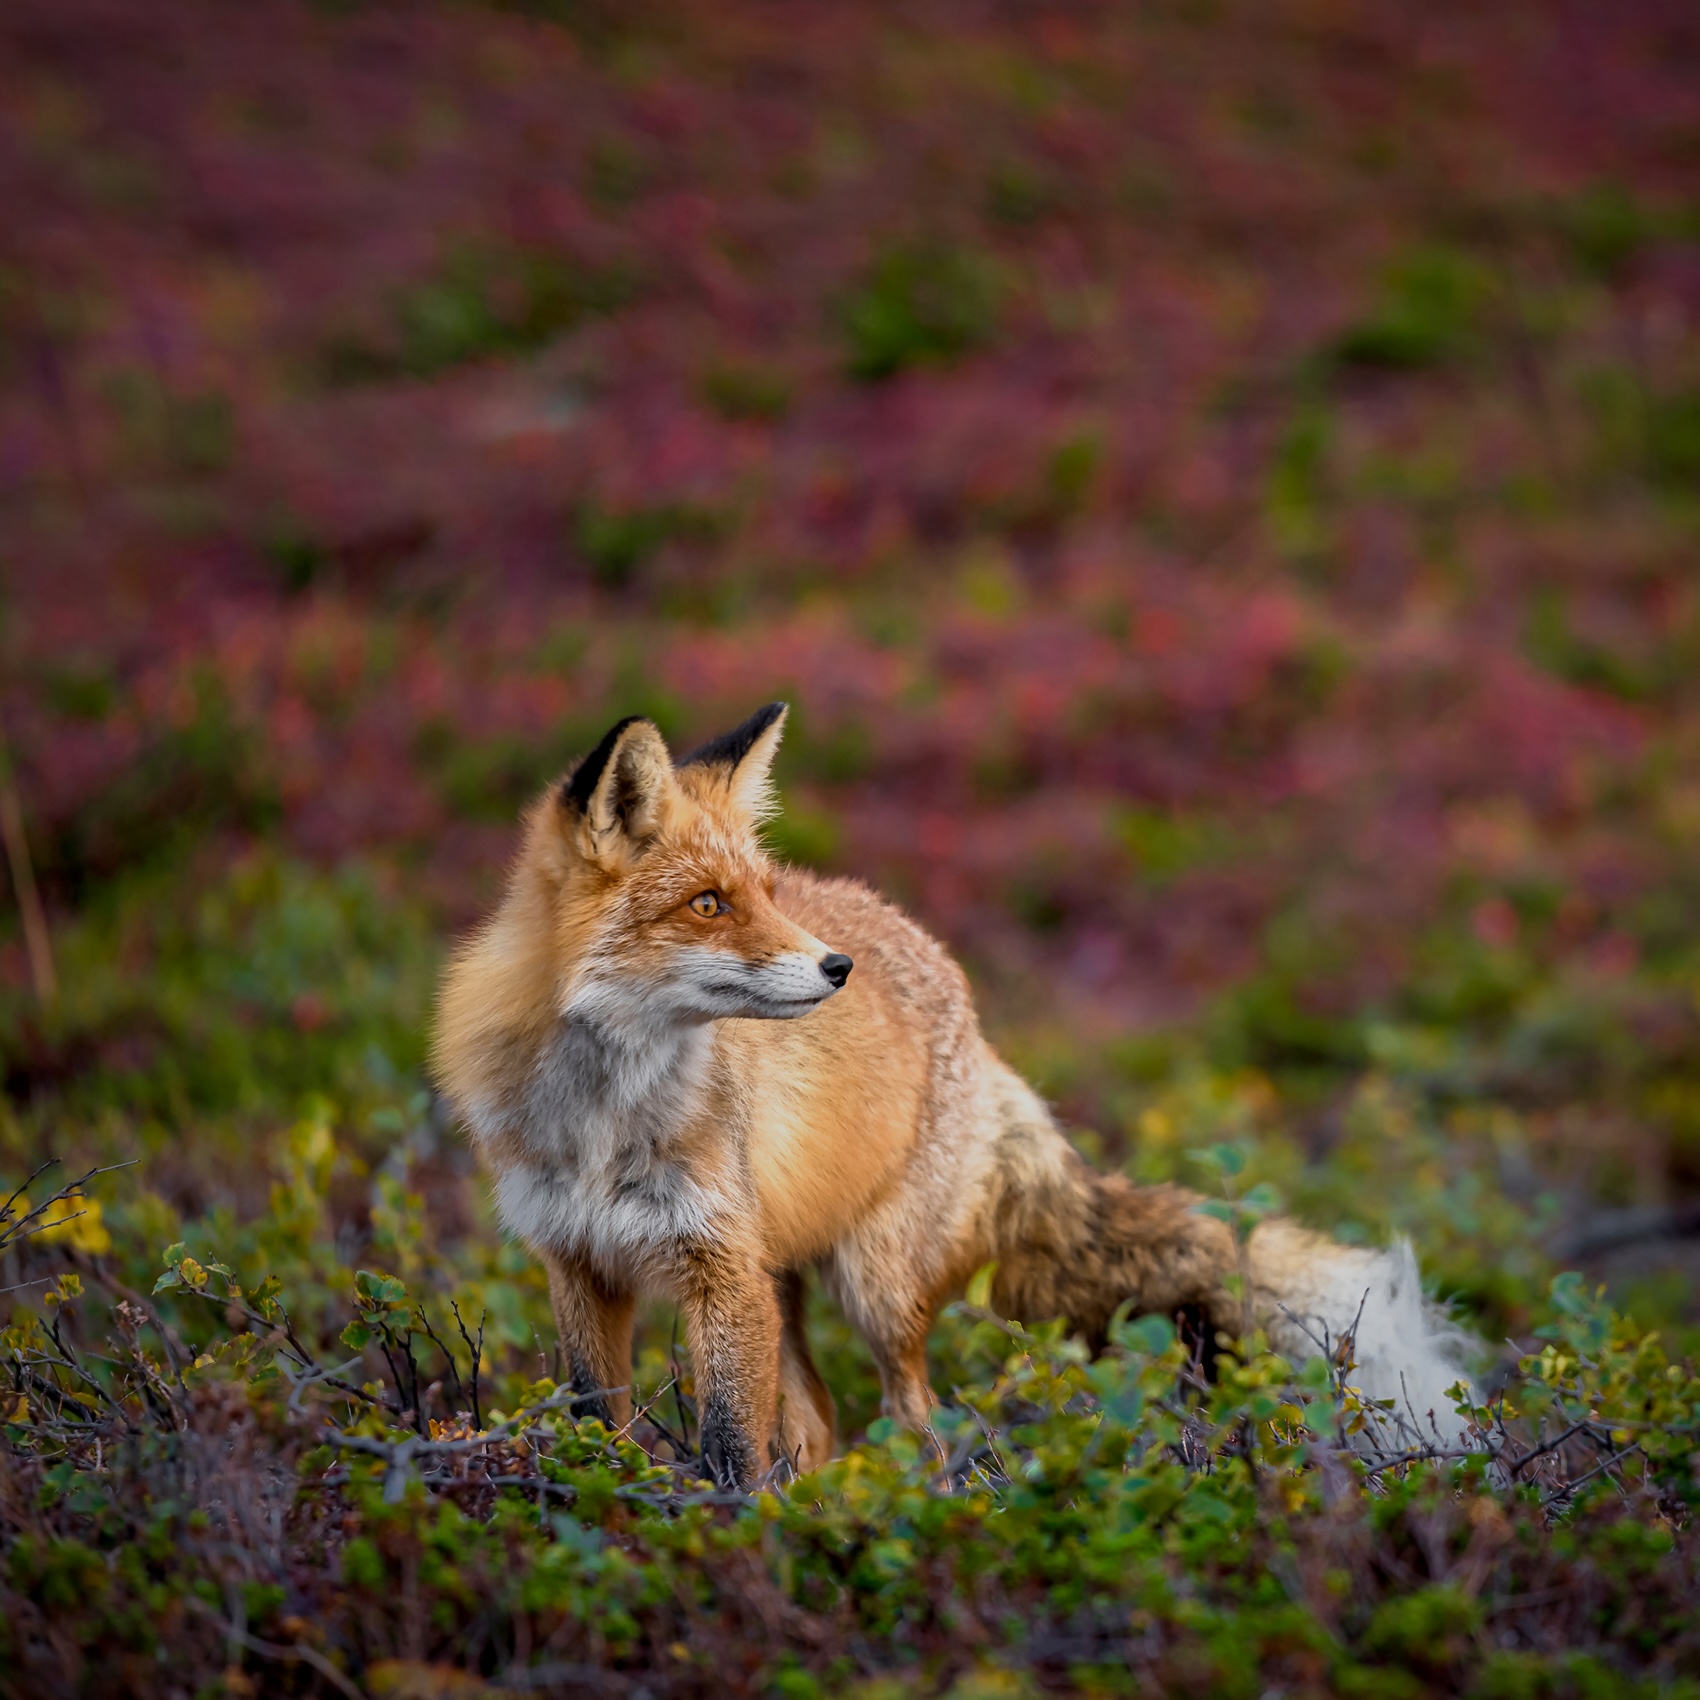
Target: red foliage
column 384, row 384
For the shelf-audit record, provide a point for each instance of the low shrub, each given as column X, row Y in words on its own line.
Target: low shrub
column 221, row 1488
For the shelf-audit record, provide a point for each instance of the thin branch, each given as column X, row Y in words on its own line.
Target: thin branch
column 29, row 1223
column 448, row 1356
column 1610, row 1230
column 315, row 1376
column 477, row 1354
column 272, row 1650
column 1549, row 1446
column 562, row 1675
column 37, row 940
column 1567, row 1490
column 23, row 1187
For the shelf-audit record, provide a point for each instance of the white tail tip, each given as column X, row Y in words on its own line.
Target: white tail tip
column 1311, row 1293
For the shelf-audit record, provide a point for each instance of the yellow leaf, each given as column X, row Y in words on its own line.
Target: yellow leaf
column 1156, row 1127
column 75, row 1221
column 979, row 1293
column 193, row 1274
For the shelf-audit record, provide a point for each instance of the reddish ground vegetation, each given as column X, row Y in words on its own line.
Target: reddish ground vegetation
column 1195, row 469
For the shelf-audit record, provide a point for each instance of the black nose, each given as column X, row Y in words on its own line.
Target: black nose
column 836, row 967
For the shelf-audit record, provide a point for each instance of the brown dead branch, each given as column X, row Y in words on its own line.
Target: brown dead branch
column 37, row 941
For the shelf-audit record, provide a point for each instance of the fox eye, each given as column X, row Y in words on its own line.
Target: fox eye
column 707, row 904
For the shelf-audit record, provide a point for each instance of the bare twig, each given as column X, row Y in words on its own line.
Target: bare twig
column 1552, row 1445
column 476, row 1350
column 22, row 1189
column 37, row 941
column 1611, row 1230
column 679, row 1382
column 31, row 1222
column 272, row 1650
column 575, row 1677
column 1567, row 1490
column 448, row 1357
column 314, row 1375
column 646, row 1413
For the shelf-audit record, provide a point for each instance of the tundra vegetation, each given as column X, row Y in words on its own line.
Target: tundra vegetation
column 1219, row 481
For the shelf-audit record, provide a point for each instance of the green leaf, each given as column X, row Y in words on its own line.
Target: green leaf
column 1219, row 1208
column 378, row 1288
column 979, row 1293
column 1125, row 1407
column 356, row 1336
column 1226, row 1159
column 1148, row 1336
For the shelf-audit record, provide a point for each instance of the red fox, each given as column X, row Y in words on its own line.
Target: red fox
column 695, row 1074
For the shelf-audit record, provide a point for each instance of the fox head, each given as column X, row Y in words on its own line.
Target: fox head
column 659, row 893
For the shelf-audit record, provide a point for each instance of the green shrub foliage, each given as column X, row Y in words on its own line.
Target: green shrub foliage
column 349, row 1482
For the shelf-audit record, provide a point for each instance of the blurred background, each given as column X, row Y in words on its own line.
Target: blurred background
column 1218, row 481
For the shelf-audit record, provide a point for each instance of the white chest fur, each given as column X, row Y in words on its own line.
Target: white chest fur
column 604, row 1175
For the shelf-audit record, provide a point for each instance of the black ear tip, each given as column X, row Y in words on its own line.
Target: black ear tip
column 731, row 747
column 581, row 782
column 763, row 718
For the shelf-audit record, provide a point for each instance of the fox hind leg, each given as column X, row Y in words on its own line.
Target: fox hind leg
column 906, row 1396
column 808, row 1432
column 888, row 1305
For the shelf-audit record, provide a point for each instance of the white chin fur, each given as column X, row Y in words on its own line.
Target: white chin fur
column 717, row 984
column 1405, row 1348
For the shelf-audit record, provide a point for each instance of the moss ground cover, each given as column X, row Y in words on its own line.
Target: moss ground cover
column 1219, row 486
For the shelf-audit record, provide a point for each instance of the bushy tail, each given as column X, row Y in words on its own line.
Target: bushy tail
column 1312, row 1295
column 1083, row 1244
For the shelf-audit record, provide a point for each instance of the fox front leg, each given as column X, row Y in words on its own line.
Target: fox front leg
column 594, row 1322
column 733, row 1321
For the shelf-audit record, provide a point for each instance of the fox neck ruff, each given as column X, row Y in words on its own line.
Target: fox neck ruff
column 601, row 1170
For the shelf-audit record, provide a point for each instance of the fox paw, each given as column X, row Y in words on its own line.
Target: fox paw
column 727, row 1456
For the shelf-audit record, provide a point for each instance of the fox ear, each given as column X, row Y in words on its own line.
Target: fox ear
column 745, row 757
column 620, row 794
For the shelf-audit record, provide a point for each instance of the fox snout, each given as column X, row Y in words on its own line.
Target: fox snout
column 836, row 966
column 781, row 987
